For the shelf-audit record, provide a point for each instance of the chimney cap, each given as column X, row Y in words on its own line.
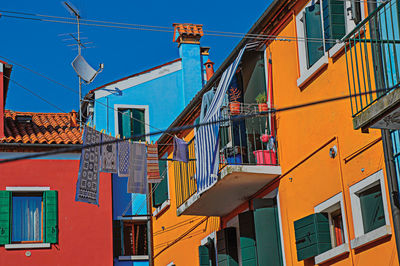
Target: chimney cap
column 209, row 62
column 187, row 33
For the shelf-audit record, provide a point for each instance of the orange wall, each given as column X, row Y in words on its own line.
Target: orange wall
column 167, row 227
column 303, row 131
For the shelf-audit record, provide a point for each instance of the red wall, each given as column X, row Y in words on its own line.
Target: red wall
column 85, row 230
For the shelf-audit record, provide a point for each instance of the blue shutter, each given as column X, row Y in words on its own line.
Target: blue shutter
column 313, row 29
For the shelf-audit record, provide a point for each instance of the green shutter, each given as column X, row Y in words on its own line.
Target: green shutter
column 116, row 238
column 313, row 29
column 334, row 21
column 312, row 235
column 227, row 247
column 138, row 123
column 51, row 216
column 372, row 209
column 125, row 123
column 247, row 239
column 204, row 257
column 161, row 193
column 5, row 210
column 266, row 221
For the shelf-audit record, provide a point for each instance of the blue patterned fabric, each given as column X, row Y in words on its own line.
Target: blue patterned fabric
column 123, row 158
column 206, row 138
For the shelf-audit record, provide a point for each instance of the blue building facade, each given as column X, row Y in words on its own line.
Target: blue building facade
column 139, row 104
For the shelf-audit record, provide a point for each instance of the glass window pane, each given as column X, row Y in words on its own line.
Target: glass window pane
column 313, row 30
column 26, row 218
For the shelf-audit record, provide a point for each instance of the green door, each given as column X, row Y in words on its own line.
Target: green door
column 269, row 251
column 248, row 246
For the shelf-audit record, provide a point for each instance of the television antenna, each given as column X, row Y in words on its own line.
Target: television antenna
column 85, row 72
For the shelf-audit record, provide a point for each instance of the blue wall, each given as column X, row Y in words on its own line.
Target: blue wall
column 165, row 97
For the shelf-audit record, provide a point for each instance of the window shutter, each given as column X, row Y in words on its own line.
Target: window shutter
column 313, row 29
column 334, row 21
column 125, row 123
column 267, row 232
column 5, row 207
column 355, row 11
column 372, row 209
column 247, row 239
column 51, row 216
column 204, row 257
column 116, row 238
column 138, row 127
column 312, row 235
column 227, row 247
column 161, row 193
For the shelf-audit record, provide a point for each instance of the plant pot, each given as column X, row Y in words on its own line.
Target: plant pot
column 262, row 107
column 265, row 157
column 234, row 108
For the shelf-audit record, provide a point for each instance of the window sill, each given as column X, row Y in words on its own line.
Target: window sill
column 137, row 257
column 336, row 50
column 372, row 236
column 332, row 253
column 159, row 210
column 312, row 72
column 27, row 246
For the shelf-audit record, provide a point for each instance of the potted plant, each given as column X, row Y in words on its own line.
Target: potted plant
column 261, row 99
column 267, row 156
column 234, row 104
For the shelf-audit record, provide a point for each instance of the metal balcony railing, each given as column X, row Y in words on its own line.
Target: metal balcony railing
column 372, row 51
column 246, row 142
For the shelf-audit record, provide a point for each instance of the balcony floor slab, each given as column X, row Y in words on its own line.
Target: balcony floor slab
column 237, row 184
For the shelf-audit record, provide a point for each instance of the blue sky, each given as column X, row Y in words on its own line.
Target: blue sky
column 123, row 52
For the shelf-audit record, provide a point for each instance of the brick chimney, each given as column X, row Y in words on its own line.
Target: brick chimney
column 209, row 69
column 73, row 115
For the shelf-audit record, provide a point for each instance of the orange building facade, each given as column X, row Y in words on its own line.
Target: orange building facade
column 320, row 193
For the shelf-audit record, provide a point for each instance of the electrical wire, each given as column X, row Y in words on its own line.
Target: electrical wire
column 187, row 127
column 75, row 91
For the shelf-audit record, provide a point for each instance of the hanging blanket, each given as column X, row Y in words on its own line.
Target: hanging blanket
column 137, row 181
column 88, row 177
column 153, row 171
column 108, row 155
column 123, row 158
column 181, row 150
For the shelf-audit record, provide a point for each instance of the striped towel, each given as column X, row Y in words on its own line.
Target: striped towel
column 153, row 171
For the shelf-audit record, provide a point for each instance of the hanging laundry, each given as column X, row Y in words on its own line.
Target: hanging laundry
column 123, row 158
column 181, row 150
column 153, row 171
column 88, row 177
column 108, row 155
column 137, row 180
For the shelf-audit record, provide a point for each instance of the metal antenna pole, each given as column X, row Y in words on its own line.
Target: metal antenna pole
column 80, row 80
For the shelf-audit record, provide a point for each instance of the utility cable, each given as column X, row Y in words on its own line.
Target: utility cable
column 187, row 127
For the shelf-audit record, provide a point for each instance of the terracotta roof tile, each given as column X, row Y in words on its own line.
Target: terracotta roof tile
column 46, row 128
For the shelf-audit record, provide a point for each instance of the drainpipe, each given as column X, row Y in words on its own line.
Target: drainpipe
column 393, row 185
column 150, row 226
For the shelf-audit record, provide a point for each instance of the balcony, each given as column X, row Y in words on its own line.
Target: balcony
column 248, row 162
column 372, row 57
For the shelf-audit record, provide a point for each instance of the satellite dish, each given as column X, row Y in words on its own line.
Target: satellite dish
column 84, row 70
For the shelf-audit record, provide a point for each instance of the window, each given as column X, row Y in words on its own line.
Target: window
column 208, row 251
column 319, row 25
column 132, row 120
column 370, row 211
column 28, row 217
column 333, row 208
column 130, row 239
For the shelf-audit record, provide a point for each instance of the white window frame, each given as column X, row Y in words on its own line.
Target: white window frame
column 362, row 238
column 307, row 73
column 117, row 108
column 213, row 236
column 27, row 245
column 329, row 206
column 134, row 219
